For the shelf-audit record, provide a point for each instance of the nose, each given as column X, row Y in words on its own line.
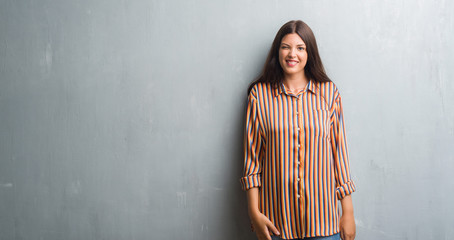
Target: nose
column 291, row 53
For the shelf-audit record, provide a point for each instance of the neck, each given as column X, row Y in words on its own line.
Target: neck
column 296, row 81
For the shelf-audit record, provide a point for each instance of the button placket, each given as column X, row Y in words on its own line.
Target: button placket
column 300, row 149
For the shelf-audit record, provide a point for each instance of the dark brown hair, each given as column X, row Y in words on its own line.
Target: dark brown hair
column 272, row 71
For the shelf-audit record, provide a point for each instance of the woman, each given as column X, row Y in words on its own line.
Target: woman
column 296, row 164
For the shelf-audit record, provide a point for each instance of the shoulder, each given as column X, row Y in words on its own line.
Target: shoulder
column 260, row 89
column 329, row 91
column 328, row 88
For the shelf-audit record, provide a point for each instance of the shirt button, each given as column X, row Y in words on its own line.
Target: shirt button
column 299, row 145
column 298, row 163
column 299, row 179
column 296, row 112
column 298, row 129
column 299, row 196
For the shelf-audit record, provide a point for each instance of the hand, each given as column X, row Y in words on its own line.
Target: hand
column 263, row 226
column 347, row 227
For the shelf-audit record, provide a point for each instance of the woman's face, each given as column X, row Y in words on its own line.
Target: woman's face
column 292, row 55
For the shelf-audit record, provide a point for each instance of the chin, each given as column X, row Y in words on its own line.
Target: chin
column 292, row 72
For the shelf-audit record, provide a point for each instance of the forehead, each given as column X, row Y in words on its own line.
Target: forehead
column 292, row 39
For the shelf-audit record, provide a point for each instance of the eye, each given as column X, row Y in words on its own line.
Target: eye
column 284, row 47
column 301, row 48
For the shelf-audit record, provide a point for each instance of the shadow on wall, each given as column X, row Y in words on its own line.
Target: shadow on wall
column 238, row 213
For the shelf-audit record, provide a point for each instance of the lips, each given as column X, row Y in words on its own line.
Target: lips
column 291, row 63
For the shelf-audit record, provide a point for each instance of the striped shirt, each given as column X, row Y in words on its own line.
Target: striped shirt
column 295, row 151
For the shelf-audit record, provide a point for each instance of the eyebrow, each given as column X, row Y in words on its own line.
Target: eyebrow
column 302, row 44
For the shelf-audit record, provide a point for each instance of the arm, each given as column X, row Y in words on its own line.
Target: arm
column 252, row 146
column 347, row 221
column 253, row 201
column 344, row 184
column 251, row 180
column 261, row 224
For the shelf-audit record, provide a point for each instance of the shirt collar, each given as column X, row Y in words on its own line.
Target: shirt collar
column 310, row 86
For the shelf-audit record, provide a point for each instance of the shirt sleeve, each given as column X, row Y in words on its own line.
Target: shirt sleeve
column 344, row 183
column 252, row 146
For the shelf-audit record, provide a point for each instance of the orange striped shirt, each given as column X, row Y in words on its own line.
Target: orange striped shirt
column 295, row 151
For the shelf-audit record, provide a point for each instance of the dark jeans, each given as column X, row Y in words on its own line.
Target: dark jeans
column 332, row 237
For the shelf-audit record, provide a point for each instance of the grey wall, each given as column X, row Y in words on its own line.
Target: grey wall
column 124, row 119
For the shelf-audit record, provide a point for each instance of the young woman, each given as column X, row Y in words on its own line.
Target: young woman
column 296, row 164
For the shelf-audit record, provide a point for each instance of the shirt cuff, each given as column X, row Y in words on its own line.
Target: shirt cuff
column 251, row 181
column 346, row 189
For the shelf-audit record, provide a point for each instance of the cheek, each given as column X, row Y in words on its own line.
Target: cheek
column 304, row 57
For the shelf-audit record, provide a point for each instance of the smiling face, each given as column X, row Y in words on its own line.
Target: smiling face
column 292, row 55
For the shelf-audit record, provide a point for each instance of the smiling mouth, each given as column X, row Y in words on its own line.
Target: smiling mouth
column 291, row 63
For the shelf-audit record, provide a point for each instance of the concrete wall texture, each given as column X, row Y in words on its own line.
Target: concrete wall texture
column 124, row 119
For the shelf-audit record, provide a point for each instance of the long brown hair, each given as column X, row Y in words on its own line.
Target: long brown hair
column 272, row 71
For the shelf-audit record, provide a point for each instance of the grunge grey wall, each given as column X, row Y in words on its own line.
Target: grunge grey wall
column 124, row 119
